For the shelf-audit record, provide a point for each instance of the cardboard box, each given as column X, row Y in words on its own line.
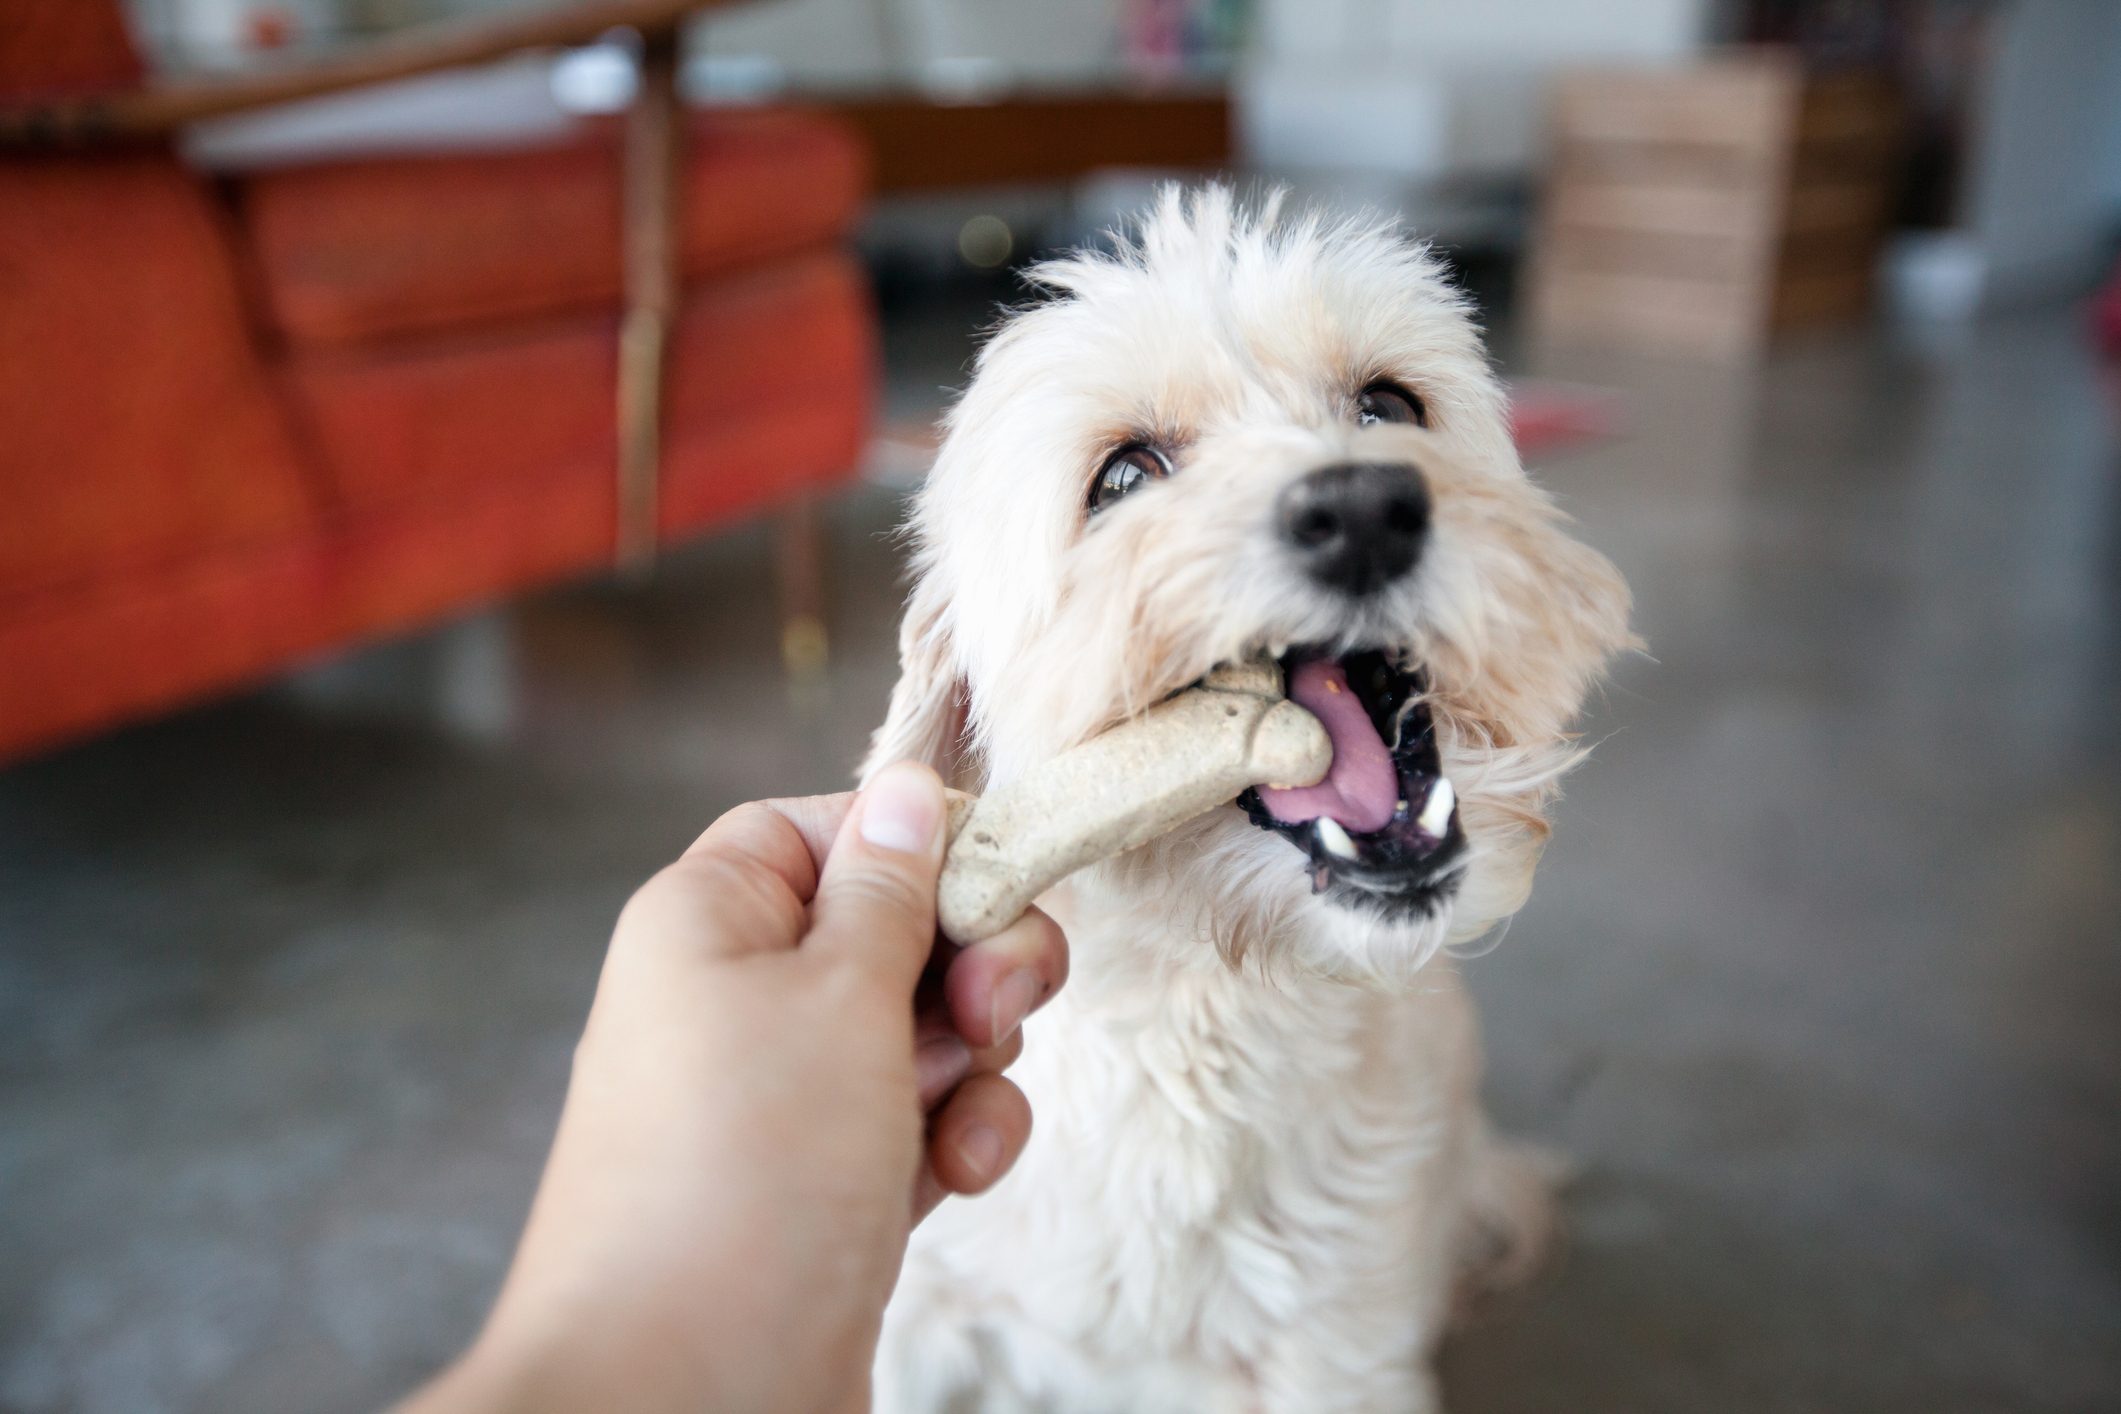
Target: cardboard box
column 1708, row 208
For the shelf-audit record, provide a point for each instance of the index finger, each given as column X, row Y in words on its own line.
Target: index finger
column 787, row 836
column 745, row 884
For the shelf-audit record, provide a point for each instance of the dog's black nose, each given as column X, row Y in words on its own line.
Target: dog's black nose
column 1357, row 526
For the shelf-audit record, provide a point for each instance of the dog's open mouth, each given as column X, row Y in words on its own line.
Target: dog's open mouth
column 1383, row 824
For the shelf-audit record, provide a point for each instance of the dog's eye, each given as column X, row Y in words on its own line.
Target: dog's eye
column 1128, row 469
column 1388, row 402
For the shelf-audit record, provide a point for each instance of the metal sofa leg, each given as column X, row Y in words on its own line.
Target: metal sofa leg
column 799, row 568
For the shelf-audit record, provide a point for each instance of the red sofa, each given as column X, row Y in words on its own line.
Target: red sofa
column 244, row 421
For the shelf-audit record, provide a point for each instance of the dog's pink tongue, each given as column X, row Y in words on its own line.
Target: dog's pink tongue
column 1361, row 789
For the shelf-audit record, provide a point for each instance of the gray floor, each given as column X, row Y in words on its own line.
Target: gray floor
column 1821, row 986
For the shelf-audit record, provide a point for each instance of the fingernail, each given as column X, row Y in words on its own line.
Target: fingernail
column 902, row 809
column 980, row 1149
column 939, row 1064
column 1013, row 999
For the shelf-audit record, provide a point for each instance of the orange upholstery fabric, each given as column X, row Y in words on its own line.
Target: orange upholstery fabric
column 360, row 250
column 142, row 641
column 64, row 46
column 416, row 418
column 772, row 392
column 135, row 420
column 354, row 398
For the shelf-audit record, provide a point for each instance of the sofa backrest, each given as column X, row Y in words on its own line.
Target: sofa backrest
column 64, row 46
column 136, row 424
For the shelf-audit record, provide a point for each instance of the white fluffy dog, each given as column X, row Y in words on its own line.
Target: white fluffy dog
column 1261, row 1167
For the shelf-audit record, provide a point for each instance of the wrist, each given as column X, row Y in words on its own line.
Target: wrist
column 503, row 1372
column 473, row 1383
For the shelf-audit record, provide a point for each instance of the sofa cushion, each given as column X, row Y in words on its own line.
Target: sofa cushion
column 136, row 423
column 155, row 637
column 357, row 250
column 415, row 419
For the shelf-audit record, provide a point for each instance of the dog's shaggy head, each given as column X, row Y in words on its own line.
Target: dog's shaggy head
column 1244, row 432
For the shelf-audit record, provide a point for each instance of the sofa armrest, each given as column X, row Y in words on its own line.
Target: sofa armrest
column 156, row 110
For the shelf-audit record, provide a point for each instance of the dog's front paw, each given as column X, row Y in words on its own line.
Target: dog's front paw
column 1511, row 1219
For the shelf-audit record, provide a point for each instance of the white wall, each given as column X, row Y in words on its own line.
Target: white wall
column 1433, row 89
column 872, row 42
column 1415, row 88
column 2042, row 178
column 1485, row 33
column 840, row 41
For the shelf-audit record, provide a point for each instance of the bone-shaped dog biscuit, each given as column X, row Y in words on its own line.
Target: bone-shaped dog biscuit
column 1121, row 789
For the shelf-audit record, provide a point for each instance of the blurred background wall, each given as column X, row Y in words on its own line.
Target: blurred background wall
column 1416, row 101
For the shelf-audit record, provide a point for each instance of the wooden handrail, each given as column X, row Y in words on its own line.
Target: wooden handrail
column 159, row 109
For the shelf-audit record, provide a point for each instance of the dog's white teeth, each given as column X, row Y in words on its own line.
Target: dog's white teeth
column 1436, row 810
column 1334, row 838
column 1278, row 650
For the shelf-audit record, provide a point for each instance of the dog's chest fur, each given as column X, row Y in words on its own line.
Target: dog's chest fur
column 1232, row 1176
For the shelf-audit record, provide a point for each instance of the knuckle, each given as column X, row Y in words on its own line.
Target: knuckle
column 657, row 897
column 885, row 893
column 681, row 898
column 749, row 889
column 743, row 814
column 734, row 820
column 715, row 873
column 1001, row 1057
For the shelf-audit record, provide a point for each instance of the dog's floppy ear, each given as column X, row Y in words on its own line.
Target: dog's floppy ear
column 926, row 720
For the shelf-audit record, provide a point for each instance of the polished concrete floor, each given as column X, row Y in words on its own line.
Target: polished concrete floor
column 1822, row 986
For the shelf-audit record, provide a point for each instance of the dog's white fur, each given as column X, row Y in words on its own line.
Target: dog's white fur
column 1261, row 1168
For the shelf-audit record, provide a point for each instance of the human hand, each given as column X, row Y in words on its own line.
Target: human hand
column 743, row 1150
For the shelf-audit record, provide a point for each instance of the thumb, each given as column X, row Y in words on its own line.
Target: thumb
column 875, row 902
